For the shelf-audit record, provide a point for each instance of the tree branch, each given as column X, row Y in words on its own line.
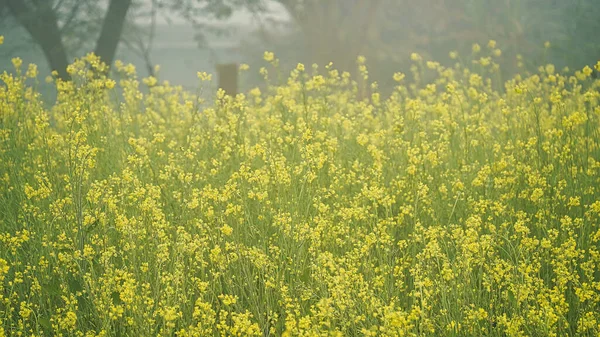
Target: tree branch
column 41, row 23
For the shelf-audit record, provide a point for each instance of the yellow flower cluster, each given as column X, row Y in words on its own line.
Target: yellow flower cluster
column 460, row 205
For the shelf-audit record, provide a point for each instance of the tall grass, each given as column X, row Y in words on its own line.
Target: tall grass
column 451, row 208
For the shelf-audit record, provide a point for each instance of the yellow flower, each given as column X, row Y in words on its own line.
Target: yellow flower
column 170, row 314
column 255, row 92
column 4, row 267
column 204, row 76
column 69, row 321
column 1, row 39
column 150, row 81
column 269, row 56
column 109, row 84
column 362, row 139
column 398, row 77
column 226, row 230
column 17, row 62
column 364, row 192
column 484, row 61
column 228, row 299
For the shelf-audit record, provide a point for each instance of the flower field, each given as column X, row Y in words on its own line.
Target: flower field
column 458, row 206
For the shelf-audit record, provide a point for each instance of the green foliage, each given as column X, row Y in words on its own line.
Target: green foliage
column 306, row 209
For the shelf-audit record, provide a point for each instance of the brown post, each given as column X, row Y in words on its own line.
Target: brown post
column 228, row 78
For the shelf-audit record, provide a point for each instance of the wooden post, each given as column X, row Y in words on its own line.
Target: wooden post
column 228, row 78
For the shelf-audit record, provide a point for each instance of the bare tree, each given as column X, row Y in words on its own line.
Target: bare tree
column 41, row 20
column 62, row 27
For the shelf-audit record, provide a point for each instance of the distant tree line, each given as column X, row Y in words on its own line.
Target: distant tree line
column 385, row 31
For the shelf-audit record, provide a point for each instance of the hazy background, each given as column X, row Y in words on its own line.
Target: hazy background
column 186, row 36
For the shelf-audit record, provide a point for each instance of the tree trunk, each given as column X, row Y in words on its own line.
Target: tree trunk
column 112, row 28
column 42, row 25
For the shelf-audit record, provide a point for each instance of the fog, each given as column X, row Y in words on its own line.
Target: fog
column 183, row 42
